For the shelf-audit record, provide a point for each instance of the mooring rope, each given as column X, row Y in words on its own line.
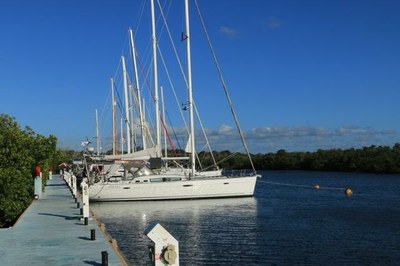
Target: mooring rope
column 305, row 186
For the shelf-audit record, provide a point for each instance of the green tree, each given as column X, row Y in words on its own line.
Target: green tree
column 15, row 170
column 20, row 151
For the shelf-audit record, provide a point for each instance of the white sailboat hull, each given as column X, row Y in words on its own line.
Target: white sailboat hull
column 183, row 189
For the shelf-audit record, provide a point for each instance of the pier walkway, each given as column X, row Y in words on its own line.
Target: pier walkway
column 50, row 232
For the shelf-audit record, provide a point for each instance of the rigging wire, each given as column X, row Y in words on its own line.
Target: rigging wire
column 146, row 82
column 169, row 137
column 204, row 133
column 102, row 123
column 180, row 110
column 224, row 159
column 173, row 130
column 173, row 45
column 119, row 101
column 224, row 86
column 140, row 15
column 173, row 88
column 186, row 82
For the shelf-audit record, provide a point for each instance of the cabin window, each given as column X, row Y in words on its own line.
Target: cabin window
column 157, row 180
column 165, row 179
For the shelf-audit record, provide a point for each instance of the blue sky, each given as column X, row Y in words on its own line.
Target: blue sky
column 303, row 75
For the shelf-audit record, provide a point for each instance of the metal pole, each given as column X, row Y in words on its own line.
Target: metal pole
column 190, row 100
column 156, row 103
column 122, row 138
column 114, row 118
column 133, row 131
column 128, row 135
column 141, row 117
column 97, row 134
column 165, row 127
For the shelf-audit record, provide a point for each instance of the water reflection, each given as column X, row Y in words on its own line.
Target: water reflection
column 209, row 231
column 281, row 225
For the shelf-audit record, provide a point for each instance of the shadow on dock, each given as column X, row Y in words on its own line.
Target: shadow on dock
column 92, row 263
column 85, row 238
column 56, row 185
column 62, row 216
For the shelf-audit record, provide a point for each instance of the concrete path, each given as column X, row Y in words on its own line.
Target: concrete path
column 50, row 232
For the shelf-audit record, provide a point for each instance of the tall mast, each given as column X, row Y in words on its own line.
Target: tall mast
column 156, row 103
column 133, row 131
column 97, row 134
column 125, row 77
column 114, row 119
column 163, row 117
column 122, row 137
column 190, row 96
column 133, row 49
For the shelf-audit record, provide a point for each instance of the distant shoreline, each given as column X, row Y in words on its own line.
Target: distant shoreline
column 373, row 159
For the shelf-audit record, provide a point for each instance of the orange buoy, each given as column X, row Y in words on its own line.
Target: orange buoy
column 348, row 192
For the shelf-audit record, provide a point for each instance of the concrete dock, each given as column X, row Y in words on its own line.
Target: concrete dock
column 50, row 232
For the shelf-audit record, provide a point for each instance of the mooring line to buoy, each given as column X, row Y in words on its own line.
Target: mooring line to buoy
column 347, row 191
column 287, row 184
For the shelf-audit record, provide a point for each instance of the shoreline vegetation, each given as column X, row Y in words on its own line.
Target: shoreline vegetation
column 22, row 149
column 373, row 159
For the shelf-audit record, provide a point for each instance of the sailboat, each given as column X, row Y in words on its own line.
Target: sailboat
column 142, row 175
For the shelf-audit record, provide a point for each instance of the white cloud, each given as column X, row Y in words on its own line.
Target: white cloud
column 272, row 139
column 274, row 23
column 225, row 129
column 228, row 32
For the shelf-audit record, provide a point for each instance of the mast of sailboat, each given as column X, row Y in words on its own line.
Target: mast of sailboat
column 97, row 134
column 114, row 119
column 125, row 78
column 132, row 124
column 141, row 117
column 156, row 103
column 122, row 136
column 163, row 118
column 190, row 96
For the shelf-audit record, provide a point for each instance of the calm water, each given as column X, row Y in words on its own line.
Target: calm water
column 287, row 223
